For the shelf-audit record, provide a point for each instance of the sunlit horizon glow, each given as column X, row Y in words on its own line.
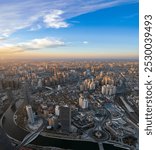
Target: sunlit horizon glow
column 38, row 55
column 78, row 29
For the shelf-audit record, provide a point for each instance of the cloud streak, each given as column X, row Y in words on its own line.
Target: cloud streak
column 34, row 14
column 35, row 44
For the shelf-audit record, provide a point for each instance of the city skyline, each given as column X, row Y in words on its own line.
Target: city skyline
column 77, row 29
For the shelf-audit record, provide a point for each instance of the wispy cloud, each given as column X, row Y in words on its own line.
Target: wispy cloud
column 17, row 14
column 35, row 27
column 54, row 19
column 35, row 44
column 85, row 42
column 2, row 39
column 130, row 16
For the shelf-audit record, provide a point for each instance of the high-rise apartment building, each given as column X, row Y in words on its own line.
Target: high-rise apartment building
column 65, row 118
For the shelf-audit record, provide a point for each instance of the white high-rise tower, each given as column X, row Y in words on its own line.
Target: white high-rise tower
column 30, row 114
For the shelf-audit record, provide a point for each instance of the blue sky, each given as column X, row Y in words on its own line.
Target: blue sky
column 90, row 28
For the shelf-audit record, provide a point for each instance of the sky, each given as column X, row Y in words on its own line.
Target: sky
column 69, row 29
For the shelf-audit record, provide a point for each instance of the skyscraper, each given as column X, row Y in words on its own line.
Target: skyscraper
column 26, row 92
column 57, row 110
column 1, row 85
column 103, row 89
column 65, row 118
column 10, row 95
column 40, row 83
column 83, row 103
column 30, row 114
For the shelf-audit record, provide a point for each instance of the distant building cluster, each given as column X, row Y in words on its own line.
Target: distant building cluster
column 108, row 90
